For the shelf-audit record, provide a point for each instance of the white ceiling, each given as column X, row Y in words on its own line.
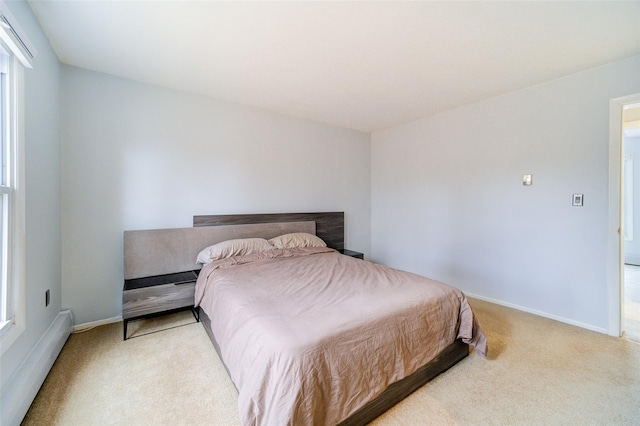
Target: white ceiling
column 360, row 65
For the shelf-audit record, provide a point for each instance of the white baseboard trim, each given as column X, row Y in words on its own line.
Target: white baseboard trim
column 89, row 325
column 540, row 313
column 23, row 387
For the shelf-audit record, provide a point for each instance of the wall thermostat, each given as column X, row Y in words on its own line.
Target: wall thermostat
column 527, row 180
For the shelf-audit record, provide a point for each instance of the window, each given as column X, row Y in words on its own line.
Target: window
column 7, row 183
column 16, row 52
column 8, row 151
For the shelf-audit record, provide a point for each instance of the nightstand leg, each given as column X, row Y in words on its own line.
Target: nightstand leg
column 124, row 325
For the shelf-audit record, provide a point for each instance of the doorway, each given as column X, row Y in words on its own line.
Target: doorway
column 630, row 235
column 615, row 229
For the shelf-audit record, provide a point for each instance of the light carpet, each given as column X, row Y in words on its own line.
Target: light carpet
column 538, row 372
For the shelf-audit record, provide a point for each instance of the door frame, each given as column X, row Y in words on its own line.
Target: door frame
column 615, row 246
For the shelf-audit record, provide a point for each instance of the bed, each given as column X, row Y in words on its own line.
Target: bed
column 310, row 336
column 299, row 329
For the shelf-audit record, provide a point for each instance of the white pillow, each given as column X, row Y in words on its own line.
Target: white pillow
column 230, row 248
column 297, row 239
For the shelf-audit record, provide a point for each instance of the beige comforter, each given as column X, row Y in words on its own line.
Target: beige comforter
column 310, row 335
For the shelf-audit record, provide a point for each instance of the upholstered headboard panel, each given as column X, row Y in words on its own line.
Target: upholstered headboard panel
column 165, row 251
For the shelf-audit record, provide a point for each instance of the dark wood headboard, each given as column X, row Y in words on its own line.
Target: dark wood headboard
column 329, row 225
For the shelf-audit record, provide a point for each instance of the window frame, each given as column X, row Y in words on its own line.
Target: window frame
column 12, row 322
column 22, row 53
column 7, row 150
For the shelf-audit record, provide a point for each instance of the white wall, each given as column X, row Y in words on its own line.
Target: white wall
column 42, row 186
column 448, row 202
column 136, row 156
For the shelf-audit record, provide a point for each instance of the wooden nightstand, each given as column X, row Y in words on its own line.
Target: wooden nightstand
column 352, row 253
column 143, row 297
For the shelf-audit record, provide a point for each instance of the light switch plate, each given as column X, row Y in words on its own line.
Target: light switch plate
column 578, row 200
column 527, row 180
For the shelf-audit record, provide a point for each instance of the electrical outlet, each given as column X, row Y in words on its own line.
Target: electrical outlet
column 47, row 298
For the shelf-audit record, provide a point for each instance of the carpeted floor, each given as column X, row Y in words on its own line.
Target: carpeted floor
column 538, row 372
